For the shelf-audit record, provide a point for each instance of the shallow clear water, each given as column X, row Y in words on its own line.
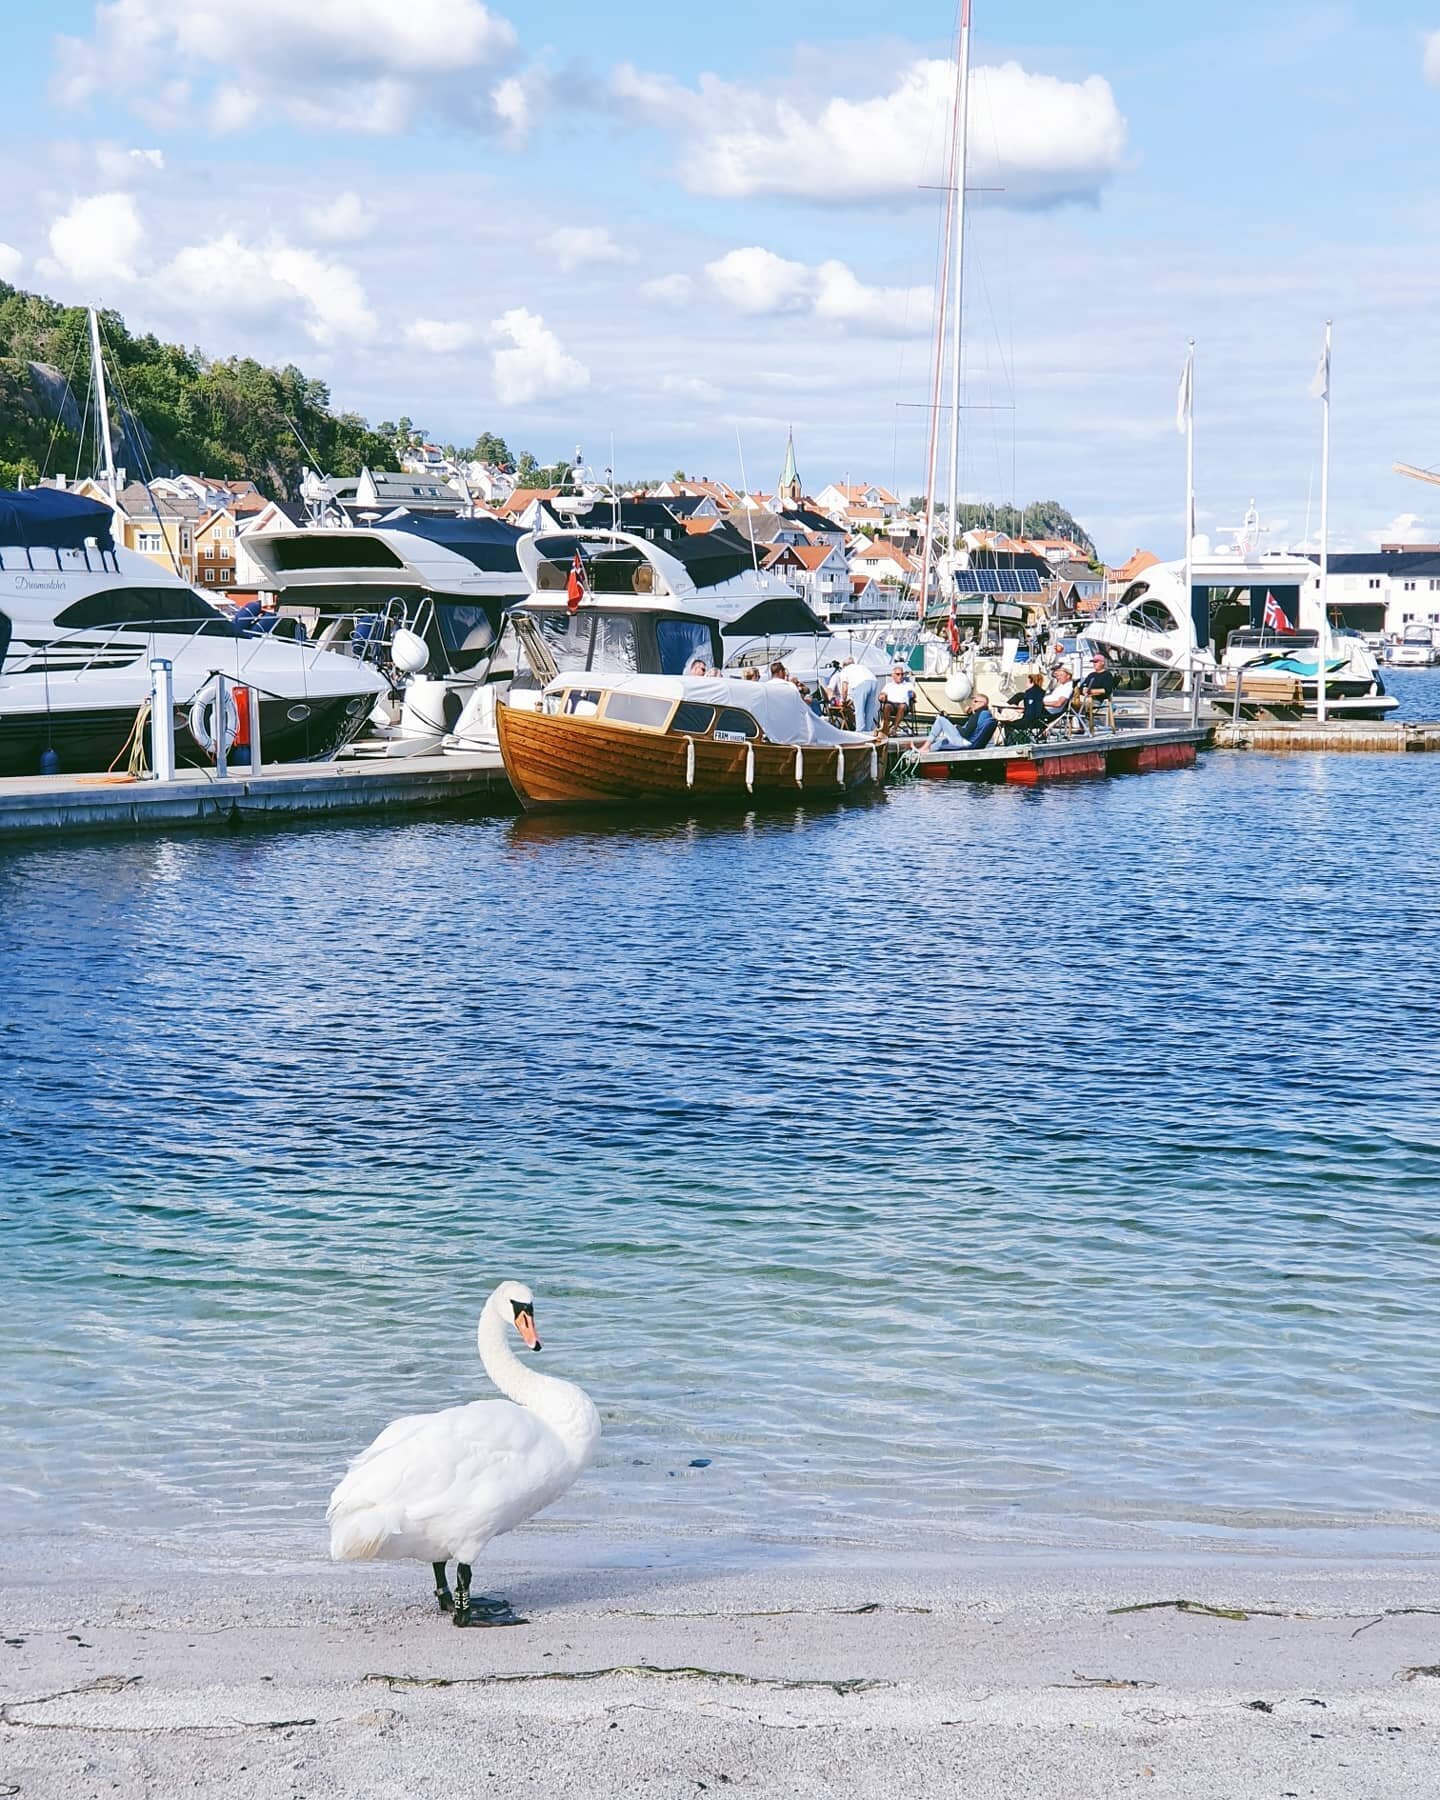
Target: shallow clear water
column 1037, row 1166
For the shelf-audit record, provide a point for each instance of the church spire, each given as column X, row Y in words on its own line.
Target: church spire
column 790, row 492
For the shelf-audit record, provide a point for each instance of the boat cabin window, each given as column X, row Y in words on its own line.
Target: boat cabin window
column 466, row 633
column 649, row 710
column 342, row 550
column 5, row 630
column 691, row 716
column 584, row 703
column 733, row 724
column 590, row 642
column 1152, row 616
column 177, row 608
column 680, row 642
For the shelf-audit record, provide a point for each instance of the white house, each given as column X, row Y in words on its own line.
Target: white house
column 841, row 498
column 818, row 571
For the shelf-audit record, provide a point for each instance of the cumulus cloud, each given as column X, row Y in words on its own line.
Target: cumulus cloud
column 1040, row 139
column 226, row 276
column 11, row 262
column 439, row 337
column 575, row 245
column 1432, row 58
column 355, row 65
column 757, row 281
column 669, row 290
column 532, row 363
column 691, row 386
column 97, row 240
column 339, row 221
column 1405, row 528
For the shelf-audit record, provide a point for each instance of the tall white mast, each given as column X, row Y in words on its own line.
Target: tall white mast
column 1190, row 499
column 1321, row 386
column 957, row 283
column 102, row 403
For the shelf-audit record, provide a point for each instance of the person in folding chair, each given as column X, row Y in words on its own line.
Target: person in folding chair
column 1057, row 701
column 1027, row 721
column 980, row 726
column 1097, row 690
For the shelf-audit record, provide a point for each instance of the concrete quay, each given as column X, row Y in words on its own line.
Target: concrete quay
column 40, row 805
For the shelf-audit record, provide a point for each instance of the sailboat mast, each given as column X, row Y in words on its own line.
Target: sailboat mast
column 958, row 161
column 1322, row 642
column 102, row 403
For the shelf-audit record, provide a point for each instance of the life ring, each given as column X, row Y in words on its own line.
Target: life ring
column 202, row 718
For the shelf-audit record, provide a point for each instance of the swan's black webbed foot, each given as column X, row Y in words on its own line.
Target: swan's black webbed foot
column 442, row 1588
column 483, row 1610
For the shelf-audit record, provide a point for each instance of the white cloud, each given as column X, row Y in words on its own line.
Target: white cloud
column 339, row 221
column 97, row 240
column 691, row 386
column 439, row 337
column 117, row 164
column 536, row 365
column 1405, row 528
column 1040, row 139
column 358, row 65
column 575, row 245
column 669, row 290
column 758, row 282
column 1432, row 58
column 11, row 262
column 227, row 277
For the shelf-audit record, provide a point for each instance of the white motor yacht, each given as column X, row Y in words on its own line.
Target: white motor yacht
column 80, row 623
column 1154, row 626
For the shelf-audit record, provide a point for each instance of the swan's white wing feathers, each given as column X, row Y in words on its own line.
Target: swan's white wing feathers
column 441, row 1485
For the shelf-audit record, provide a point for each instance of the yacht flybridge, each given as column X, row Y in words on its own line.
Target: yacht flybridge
column 80, row 622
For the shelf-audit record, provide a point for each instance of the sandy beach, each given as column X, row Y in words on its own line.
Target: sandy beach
column 683, row 1670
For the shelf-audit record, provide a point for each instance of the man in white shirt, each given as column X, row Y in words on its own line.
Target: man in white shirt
column 859, row 685
column 895, row 698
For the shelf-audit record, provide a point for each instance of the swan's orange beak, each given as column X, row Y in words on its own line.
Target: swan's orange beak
column 525, row 1325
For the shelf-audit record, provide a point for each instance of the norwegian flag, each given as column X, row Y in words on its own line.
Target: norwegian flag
column 575, row 588
column 1275, row 619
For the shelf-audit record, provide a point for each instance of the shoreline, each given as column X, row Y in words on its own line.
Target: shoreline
column 679, row 1667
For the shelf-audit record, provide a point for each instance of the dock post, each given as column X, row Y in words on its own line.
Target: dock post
column 255, row 747
column 222, row 693
column 1239, row 689
column 1195, row 703
column 1154, row 691
column 162, row 718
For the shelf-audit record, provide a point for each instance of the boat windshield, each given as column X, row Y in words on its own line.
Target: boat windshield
column 590, row 642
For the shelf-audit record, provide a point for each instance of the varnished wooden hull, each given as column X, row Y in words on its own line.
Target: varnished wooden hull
column 556, row 760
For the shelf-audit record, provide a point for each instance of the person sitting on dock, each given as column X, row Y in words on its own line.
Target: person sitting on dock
column 980, row 726
column 897, row 699
column 1096, row 690
column 1030, row 718
column 1057, row 701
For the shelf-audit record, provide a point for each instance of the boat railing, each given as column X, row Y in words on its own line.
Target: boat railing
column 105, row 648
column 104, row 562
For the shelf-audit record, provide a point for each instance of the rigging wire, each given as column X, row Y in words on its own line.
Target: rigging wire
column 130, row 420
column 60, row 410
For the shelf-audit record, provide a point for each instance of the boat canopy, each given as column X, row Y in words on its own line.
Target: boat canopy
column 49, row 519
column 488, row 544
column 776, row 706
column 777, row 618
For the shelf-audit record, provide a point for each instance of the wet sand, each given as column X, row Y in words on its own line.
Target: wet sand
column 746, row 1669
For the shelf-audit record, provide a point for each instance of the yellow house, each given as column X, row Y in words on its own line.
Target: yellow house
column 156, row 525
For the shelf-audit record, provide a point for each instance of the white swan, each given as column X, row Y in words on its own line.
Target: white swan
column 440, row 1485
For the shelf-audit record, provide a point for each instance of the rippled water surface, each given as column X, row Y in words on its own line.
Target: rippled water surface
column 1036, row 1166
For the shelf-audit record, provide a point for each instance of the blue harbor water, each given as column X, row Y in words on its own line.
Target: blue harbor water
column 1043, row 1167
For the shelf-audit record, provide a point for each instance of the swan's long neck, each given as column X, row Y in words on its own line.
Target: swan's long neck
column 563, row 1406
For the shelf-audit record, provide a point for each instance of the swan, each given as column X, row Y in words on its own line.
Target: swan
column 440, row 1485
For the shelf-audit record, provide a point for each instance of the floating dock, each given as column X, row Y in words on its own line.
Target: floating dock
column 42, row 804
column 1081, row 758
column 1393, row 735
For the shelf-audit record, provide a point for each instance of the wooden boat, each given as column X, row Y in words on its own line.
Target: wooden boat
column 672, row 739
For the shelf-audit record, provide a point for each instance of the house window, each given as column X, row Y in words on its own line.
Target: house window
column 150, row 543
column 1409, row 587
column 1374, row 581
column 209, row 552
column 209, row 574
column 226, row 575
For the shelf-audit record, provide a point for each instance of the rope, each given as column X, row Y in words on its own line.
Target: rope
column 134, row 746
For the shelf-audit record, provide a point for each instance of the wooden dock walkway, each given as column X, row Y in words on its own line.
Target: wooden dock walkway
column 1080, row 758
column 1392, row 735
column 42, row 804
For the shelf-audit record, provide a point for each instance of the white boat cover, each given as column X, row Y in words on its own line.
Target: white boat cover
column 775, row 705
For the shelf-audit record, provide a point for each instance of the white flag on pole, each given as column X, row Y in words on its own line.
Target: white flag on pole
column 1320, row 386
column 1186, row 397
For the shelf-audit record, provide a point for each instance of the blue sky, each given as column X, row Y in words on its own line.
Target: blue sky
column 670, row 226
